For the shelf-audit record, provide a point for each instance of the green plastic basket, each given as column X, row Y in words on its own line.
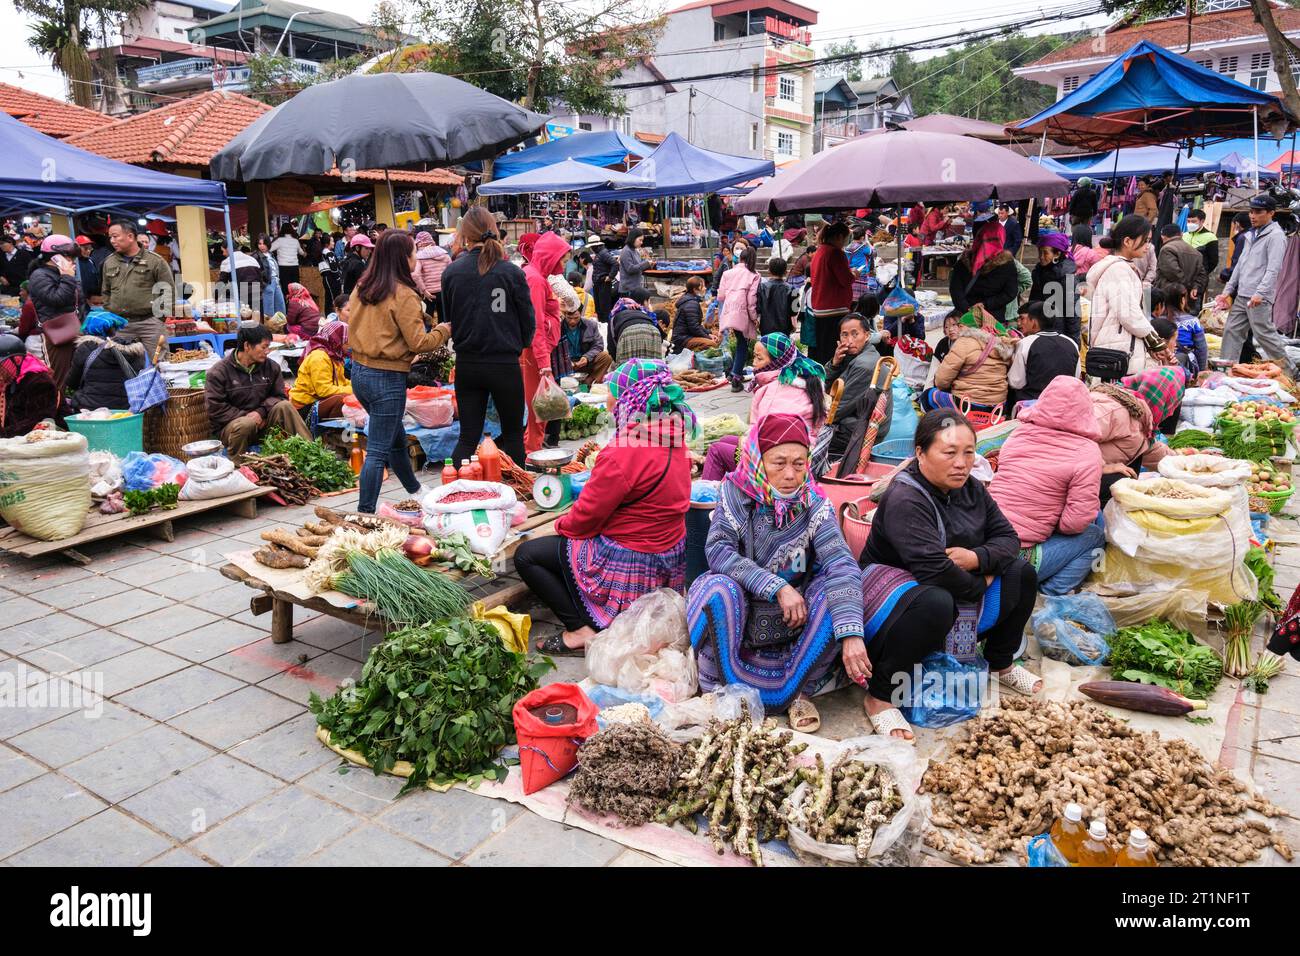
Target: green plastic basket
column 121, row 436
column 1276, row 499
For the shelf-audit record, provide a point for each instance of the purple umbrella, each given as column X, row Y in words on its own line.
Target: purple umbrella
column 901, row 167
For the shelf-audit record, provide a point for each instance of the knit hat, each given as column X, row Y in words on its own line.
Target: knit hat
column 781, row 429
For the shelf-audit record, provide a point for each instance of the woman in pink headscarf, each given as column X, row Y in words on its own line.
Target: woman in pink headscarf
column 322, row 380
column 303, row 316
column 430, row 261
column 985, row 275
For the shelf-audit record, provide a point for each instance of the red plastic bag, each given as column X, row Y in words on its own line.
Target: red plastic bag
column 430, row 406
column 549, row 751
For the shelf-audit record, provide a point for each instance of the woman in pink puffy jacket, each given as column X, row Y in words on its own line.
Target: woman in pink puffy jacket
column 738, row 298
column 430, row 260
column 1048, row 485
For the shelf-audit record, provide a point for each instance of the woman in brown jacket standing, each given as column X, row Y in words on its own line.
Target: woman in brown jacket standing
column 386, row 332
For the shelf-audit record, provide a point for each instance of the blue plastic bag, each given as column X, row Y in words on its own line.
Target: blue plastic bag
column 604, row 696
column 1043, row 852
column 942, row 691
column 1073, row 628
column 141, row 472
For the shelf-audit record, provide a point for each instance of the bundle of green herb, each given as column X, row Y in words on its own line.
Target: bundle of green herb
column 323, row 469
column 439, row 696
column 1159, row 653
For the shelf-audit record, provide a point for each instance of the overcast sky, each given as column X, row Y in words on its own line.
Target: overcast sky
column 838, row 20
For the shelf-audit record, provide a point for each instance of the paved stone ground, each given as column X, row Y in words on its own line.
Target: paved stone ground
column 205, row 754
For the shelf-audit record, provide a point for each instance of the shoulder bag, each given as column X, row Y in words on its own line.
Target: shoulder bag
column 1109, row 365
column 765, row 625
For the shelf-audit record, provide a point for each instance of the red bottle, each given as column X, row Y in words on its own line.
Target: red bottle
column 466, row 470
column 489, row 457
column 448, row 472
column 476, row 468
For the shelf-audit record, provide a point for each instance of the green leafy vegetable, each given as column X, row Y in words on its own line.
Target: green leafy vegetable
column 402, row 592
column 1161, row 654
column 142, row 502
column 439, row 696
column 1192, row 438
column 454, row 550
column 1257, row 561
column 325, row 470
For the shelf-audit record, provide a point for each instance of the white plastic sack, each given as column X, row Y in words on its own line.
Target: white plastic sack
column 647, row 648
column 213, row 476
column 915, row 371
column 485, row 522
column 683, row 361
column 1201, row 406
column 1223, row 545
column 1258, row 388
column 105, row 473
column 1209, row 471
column 900, row 758
column 45, row 484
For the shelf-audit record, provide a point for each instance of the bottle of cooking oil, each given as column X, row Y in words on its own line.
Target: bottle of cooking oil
column 1068, row 832
column 1138, row 851
column 1095, row 850
column 357, row 457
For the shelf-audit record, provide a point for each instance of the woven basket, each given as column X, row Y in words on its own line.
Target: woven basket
column 183, row 418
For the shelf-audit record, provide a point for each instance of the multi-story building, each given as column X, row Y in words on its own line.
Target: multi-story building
column 880, row 103
column 1223, row 37
column 749, row 113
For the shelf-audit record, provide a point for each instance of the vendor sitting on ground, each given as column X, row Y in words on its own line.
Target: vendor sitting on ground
column 975, row 368
column 581, row 344
column 786, row 382
column 322, row 383
column 303, row 317
column 634, row 331
column 780, row 607
column 942, row 566
column 28, row 394
column 854, row 361
column 1048, row 484
column 245, row 394
column 689, row 332
column 625, row 535
column 102, row 363
column 1129, row 414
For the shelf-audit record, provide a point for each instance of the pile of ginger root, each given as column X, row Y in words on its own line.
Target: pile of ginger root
column 1020, row 765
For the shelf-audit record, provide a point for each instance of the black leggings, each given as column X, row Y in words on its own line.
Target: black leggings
column 475, row 383
column 543, row 564
column 1108, row 481
column 919, row 627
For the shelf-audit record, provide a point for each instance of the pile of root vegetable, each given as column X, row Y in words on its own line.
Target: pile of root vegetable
column 846, row 804
column 628, row 770
column 1019, row 766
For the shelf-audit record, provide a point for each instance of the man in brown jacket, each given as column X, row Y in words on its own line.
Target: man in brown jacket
column 1180, row 264
column 245, row 394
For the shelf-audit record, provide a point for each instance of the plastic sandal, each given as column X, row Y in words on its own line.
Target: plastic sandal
column 803, row 716
column 554, row 646
column 887, row 721
column 1020, row 680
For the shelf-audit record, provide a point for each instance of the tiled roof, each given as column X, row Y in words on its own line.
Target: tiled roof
column 190, row 132
column 1172, row 34
column 48, row 115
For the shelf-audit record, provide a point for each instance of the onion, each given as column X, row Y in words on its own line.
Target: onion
column 417, row 546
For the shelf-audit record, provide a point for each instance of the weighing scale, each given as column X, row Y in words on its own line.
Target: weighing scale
column 553, row 488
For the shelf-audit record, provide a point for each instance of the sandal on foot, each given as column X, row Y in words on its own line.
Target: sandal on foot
column 803, row 716
column 1020, row 680
column 554, row 646
column 887, row 721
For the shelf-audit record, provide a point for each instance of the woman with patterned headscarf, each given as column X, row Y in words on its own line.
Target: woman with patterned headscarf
column 303, row 317
column 625, row 536
column 322, row 381
column 1129, row 414
column 781, row 605
column 1054, row 283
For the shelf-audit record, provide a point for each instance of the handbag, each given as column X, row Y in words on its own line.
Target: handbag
column 143, row 390
column 765, row 625
column 61, row 329
column 1109, row 365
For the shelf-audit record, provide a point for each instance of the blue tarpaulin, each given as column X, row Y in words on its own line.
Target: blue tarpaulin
column 608, row 148
column 1137, row 161
column 1149, row 96
column 566, row 176
column 40, row 172
column 679, row 169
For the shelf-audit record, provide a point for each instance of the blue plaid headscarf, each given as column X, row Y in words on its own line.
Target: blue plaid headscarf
column 102, row 323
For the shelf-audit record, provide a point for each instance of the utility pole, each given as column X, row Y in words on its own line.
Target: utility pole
column 690, row 117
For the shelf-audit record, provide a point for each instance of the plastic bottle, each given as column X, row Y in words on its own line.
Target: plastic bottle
column 476, row 468
column 466, row 471
column 357, row 457
column 1068, row 832
column 1137, row 852
column 1095, row 850
column 489, row 457
column 449, row 473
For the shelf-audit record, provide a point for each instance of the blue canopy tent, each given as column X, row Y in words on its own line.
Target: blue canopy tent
column 1143, row 161
column 1242, row 167
column 676, row 168
column 608, row 148
column 566, row 176
column 40, row 172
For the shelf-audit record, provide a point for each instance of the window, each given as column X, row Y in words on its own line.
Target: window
column 1070, row 84
column 753, row 137
column 585, row 127
column 625, row 125
column 785, row 143
column 1208, row 63
column 1228, row 64
column 719, row 32
column 1259, row 66
column 785, row 90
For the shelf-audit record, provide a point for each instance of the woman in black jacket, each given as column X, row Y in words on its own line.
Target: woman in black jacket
column 985, row 274
column 55, row 290
column 688, row 324
column 486, row 301
column 1054, row 283
column 943, row 566
column 102, row 363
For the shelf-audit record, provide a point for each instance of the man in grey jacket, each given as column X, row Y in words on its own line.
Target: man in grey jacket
column 1252, row 287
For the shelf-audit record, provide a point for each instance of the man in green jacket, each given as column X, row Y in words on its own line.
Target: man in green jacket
column 138, row 285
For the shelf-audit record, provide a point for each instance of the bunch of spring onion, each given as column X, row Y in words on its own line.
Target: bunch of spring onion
column 400, row 591
column 1239, row 621
column 1267, row 667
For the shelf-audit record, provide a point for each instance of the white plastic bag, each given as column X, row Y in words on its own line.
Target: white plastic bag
column 914, row 371
column 45, row 483
column 105, row 474
column 1222, row 543
column 890, row 752
column 683, row 361
column 1208, row 471
column 484, row 521
column 647, row 648
column 720, row 704
column 213, row 476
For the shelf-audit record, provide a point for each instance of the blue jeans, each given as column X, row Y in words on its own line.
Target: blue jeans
column 1067, row 558
column 272, row 299
column 383, row 395
column 741, row 358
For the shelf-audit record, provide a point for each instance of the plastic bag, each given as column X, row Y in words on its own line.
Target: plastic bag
column 550, row 404
column 105, row 474
column 942, row 691
column 45, row 483
column 415, row 520
column 647, row 648
column 1073, row 628
column 1197, row 543
column 900, row 758
column 1184, row 608
column 1150, row 495
column 354, row 413
column 899, row 302
column 605, row 697
column 1043, row 852
column 1209, row 471
column 721, row 704
column 141, row 472
column 549, row 751
column 1121, row 574
column 683, row 361
column 484, row 521
column 213, row 476
column 430, row 407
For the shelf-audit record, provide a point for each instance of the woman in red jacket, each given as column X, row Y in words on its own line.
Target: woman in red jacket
column 546, row 257
column 625, row 536
column 832, row 290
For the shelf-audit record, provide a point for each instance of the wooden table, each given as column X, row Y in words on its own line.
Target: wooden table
column 158, row 522
column 281, row 603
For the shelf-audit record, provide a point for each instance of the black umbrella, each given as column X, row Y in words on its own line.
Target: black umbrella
column 376, row 121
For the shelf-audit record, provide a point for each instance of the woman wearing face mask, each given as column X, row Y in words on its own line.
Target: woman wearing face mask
column 780, row 609
column 942, row 566
column 738, row 300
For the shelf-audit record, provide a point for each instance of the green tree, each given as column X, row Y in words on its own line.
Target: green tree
column 63, row 29
column 850, row 69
